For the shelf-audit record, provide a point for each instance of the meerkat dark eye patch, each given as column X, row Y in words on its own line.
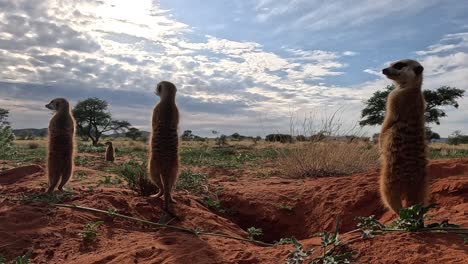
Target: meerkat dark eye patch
column 418, row 69
column 158, row 89
column 399, row 65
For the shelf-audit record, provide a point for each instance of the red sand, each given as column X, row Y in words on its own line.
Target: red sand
column 281, row 207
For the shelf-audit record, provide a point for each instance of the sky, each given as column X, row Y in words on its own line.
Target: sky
column 246, row 66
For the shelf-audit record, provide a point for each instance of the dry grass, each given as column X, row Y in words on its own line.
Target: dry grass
column 332, row 158
column 438, row 145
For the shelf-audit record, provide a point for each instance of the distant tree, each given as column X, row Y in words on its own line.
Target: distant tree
column 133, row 133
column 6, row 134
column 236, row 136
column 283, row 138
column 187, row 135
column 374, row 111
column 318, row 137
column 93, row 119
column 4, row 113
column 457, row 138
column 256, row 139
column 430, row 135
column 301, row 138
column 222, row 140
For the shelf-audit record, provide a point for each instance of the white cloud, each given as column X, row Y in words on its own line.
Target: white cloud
column 449, row 43
column 318, row 15
column 373, row 72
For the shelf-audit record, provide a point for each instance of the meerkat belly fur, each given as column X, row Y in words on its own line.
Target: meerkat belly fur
column 60, row 144
column 110, row 153
column 164, row 156
column 402, row 139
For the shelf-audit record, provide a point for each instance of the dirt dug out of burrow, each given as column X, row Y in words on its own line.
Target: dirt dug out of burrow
column 281, row 207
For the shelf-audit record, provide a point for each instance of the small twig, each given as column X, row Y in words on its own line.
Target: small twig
column 183, row 229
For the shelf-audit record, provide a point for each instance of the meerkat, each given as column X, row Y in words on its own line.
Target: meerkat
column 402, row 139
column 61, row 144
column 164, row 144
column 110, row 153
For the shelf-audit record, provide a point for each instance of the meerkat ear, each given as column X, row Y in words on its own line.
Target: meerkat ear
column 418, row 70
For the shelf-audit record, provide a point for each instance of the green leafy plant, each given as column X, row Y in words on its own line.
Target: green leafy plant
column 368, row 226
column 298, row 255
column 412, row 218
column 50, row 198
column 333, row 249
column 24, row 259
column 90, row 232
column 196, row 183
column 86, row 148
column 213, row 204
column 135, row 174
column 254, row 232
column 80, row 174
column 105, row 180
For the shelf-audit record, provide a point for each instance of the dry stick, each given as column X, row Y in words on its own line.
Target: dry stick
column 183, row 229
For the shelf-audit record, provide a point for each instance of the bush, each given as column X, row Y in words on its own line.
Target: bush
column 33, row 145
column 321, row 159
column 86, row 148
column 136, row 176
column 457, row 138
column 196, row 183
column 283, row 138
column 6, row 142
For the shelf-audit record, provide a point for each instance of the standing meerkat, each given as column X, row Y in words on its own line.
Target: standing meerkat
column 61, row 143
column 164, row 145
column 110, row 153
column 402, row 139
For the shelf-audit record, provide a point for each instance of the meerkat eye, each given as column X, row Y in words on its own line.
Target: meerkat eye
column 399, row 65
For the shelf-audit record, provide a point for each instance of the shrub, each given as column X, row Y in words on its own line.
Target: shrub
column 457, row 138
column 196, row 183
column 283, row 138
column 321, row 159
column 136, row 176
column 33, row 145
column 86, row 148
column 6, row 142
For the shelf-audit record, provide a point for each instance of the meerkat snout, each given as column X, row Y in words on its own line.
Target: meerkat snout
column 403, row 71
column 52, row 105
column 57, row 104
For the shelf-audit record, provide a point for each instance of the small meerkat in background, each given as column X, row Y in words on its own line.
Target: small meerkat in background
column 61, row 138
column 164, row 144
column 110, row 153
column 402, row 139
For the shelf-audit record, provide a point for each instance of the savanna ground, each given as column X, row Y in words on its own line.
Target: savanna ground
column 261, row 192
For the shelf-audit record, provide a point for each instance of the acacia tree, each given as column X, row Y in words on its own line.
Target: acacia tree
column 6, row 134
column 133, row 133
column 93, row 119
column 4, row 117
column 374, row 112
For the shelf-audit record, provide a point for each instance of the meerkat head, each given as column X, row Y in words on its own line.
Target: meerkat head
column 405, row 72
column 58, row 104
column 166, row 90
column 108, row 143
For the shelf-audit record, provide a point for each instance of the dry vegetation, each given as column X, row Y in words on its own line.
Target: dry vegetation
column 319, row 159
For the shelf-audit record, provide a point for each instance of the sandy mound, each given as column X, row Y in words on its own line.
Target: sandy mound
column 282, row 208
